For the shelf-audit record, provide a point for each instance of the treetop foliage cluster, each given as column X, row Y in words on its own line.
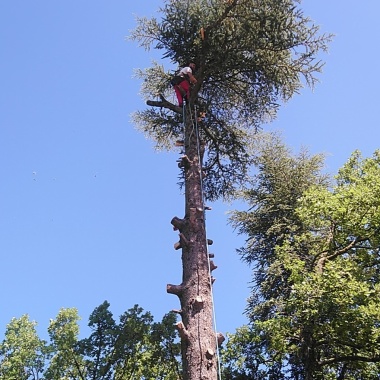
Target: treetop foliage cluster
column 251, row 55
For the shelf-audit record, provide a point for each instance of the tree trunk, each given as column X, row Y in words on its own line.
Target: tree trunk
column 198, row 338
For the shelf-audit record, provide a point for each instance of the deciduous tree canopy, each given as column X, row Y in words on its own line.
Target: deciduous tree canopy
column 133, row 348
column 315, row 310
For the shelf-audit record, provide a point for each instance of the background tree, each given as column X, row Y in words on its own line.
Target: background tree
column 133, row 348
column 325, row 325
column 250, row 55
column 65, row 362
column 22, row 352
column 338, row 285
column 272, row 197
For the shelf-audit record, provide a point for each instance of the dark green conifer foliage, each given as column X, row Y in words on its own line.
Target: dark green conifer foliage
column 251, row 56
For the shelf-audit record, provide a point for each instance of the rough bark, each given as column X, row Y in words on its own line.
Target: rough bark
column 198, row 338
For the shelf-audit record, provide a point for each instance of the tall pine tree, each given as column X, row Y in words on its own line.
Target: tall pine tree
column 250, row 56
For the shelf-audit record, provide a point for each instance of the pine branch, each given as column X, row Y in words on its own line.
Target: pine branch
column 352, row 358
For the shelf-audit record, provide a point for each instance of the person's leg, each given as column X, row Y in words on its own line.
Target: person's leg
column 185, row 85
column 178, row 94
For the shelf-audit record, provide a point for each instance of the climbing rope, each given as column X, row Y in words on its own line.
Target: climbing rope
column 184, row 120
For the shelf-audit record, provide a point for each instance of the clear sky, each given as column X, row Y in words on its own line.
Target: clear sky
column 86, row 203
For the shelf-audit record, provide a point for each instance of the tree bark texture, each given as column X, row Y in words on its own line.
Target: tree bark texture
column 198, row 338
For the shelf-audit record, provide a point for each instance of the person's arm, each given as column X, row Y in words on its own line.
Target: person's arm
column 189, row 73
column 192, row 78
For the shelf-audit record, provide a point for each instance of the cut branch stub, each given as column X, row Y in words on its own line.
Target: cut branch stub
column 174, row 289
column 178, row 224
column 212, row 265
column 220, row 338
column 183, row 240
column 165, row 104
column 209, row 353
column 184, row 162
column 182, row 331
column 198, row 303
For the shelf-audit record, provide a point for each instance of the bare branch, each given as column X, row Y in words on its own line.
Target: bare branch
column 163, row 103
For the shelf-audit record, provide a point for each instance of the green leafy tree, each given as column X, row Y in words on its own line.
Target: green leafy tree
column 338, row 286
column 325, row 325
column 65, row 362
column 246, row 357
column 251, row 55
column 22, row 352
column 135, row 347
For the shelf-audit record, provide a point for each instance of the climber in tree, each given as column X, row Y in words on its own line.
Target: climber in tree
column 182, row 81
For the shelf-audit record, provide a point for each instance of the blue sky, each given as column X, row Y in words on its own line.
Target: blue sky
column 86, row 203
